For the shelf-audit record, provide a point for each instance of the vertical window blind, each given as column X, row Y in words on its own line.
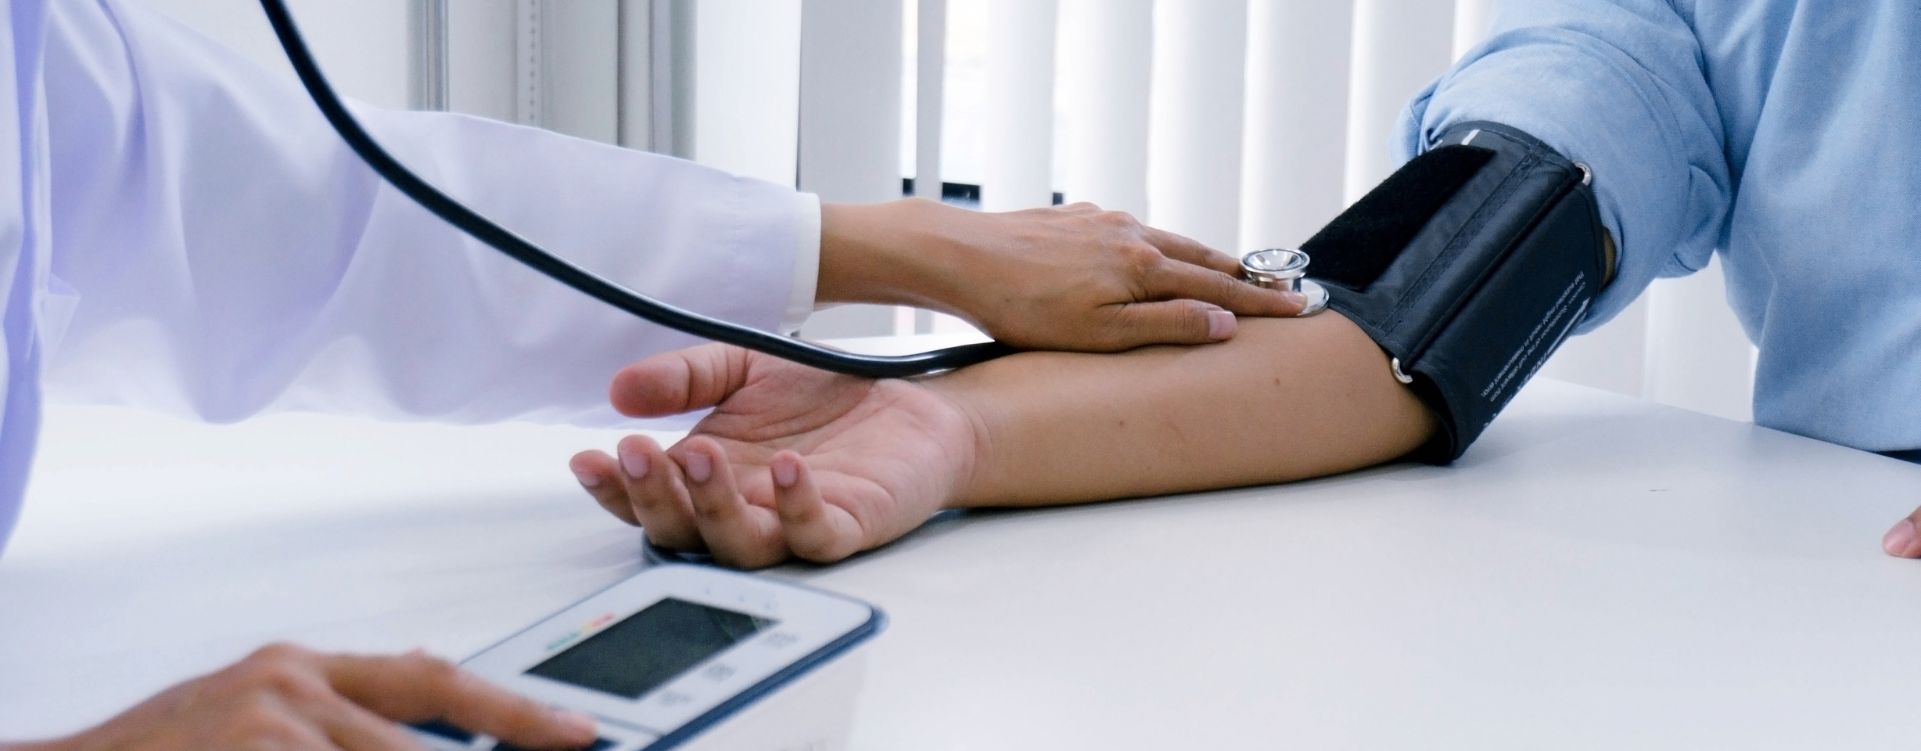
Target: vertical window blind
column 1243, row 123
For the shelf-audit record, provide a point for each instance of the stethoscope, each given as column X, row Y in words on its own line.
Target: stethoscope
column 1267, row 268
column 1282, row 269
column 1285, row 269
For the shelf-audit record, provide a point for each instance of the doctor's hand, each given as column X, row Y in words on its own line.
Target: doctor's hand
column 1065, row 278
column 792, row 462
column 286, row 697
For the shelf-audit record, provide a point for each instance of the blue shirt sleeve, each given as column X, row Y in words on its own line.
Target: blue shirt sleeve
column 1619, row 86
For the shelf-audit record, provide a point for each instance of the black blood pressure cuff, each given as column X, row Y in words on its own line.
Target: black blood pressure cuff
column 1468, row 266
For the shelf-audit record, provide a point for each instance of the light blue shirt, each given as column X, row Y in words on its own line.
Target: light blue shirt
column 1781, row 133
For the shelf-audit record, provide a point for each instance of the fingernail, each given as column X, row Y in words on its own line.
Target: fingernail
column 1220, row 324
column 699, row 466
column 1295, row 299
column 577, row 724
column 587, row 479
column 1899, row 540
column 633, row 463
column 786, row 473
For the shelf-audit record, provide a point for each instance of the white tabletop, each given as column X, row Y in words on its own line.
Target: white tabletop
column 1596, row 573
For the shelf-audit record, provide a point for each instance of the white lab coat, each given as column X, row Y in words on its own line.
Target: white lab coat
column 188, row 233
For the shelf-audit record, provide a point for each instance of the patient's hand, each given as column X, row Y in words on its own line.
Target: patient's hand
column 1901, row 540
column 792, row 462
column 859, row 462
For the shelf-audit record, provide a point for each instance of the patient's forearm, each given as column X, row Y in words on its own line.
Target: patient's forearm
column 1286, row 399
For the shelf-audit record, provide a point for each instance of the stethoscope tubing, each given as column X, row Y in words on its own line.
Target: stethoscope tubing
column 586, row 282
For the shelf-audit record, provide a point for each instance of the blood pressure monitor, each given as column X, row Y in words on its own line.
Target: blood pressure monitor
column 688, row 657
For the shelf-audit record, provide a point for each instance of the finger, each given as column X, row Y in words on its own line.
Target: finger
column 681, row 381
column 657, row 494
column 1171, row 322
column 737, row 533
column 1904, row 539
column 1175, row 281
column 1188, row 250
column 600, row 477
column 292, row 731
column 418, row 688
column 301, row 736
column 355, row 729
column 274, row 720
column 814, row 529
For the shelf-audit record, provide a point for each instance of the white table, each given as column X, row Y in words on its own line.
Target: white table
column 1597, row 573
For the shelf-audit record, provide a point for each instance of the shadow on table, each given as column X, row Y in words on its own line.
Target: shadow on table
column 452, row 573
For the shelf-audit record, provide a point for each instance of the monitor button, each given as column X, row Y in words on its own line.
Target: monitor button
column 673, row 698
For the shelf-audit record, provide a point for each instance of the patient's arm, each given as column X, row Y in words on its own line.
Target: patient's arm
column 1298, row 398
column 797, row 462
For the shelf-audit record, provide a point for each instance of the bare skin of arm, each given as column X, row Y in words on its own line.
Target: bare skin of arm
column 1072, row 278
column 798, row 463
column 1293, row 399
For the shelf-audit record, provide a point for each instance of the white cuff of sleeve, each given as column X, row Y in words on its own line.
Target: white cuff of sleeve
column 800, row 302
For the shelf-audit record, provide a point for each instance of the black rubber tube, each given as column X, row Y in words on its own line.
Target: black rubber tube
column 586, row 282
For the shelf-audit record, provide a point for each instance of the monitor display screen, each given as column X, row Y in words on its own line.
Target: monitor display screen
column 649, row 648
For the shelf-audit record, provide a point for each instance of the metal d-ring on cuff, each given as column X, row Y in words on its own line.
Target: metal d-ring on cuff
column 1284, row 269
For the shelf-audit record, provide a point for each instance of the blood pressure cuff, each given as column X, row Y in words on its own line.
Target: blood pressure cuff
column 1468, row 266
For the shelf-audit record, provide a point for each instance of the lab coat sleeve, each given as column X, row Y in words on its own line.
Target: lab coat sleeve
column 1619, row 86
column 219, row 251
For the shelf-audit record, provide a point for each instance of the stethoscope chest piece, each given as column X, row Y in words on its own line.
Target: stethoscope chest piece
column 1284, row 269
